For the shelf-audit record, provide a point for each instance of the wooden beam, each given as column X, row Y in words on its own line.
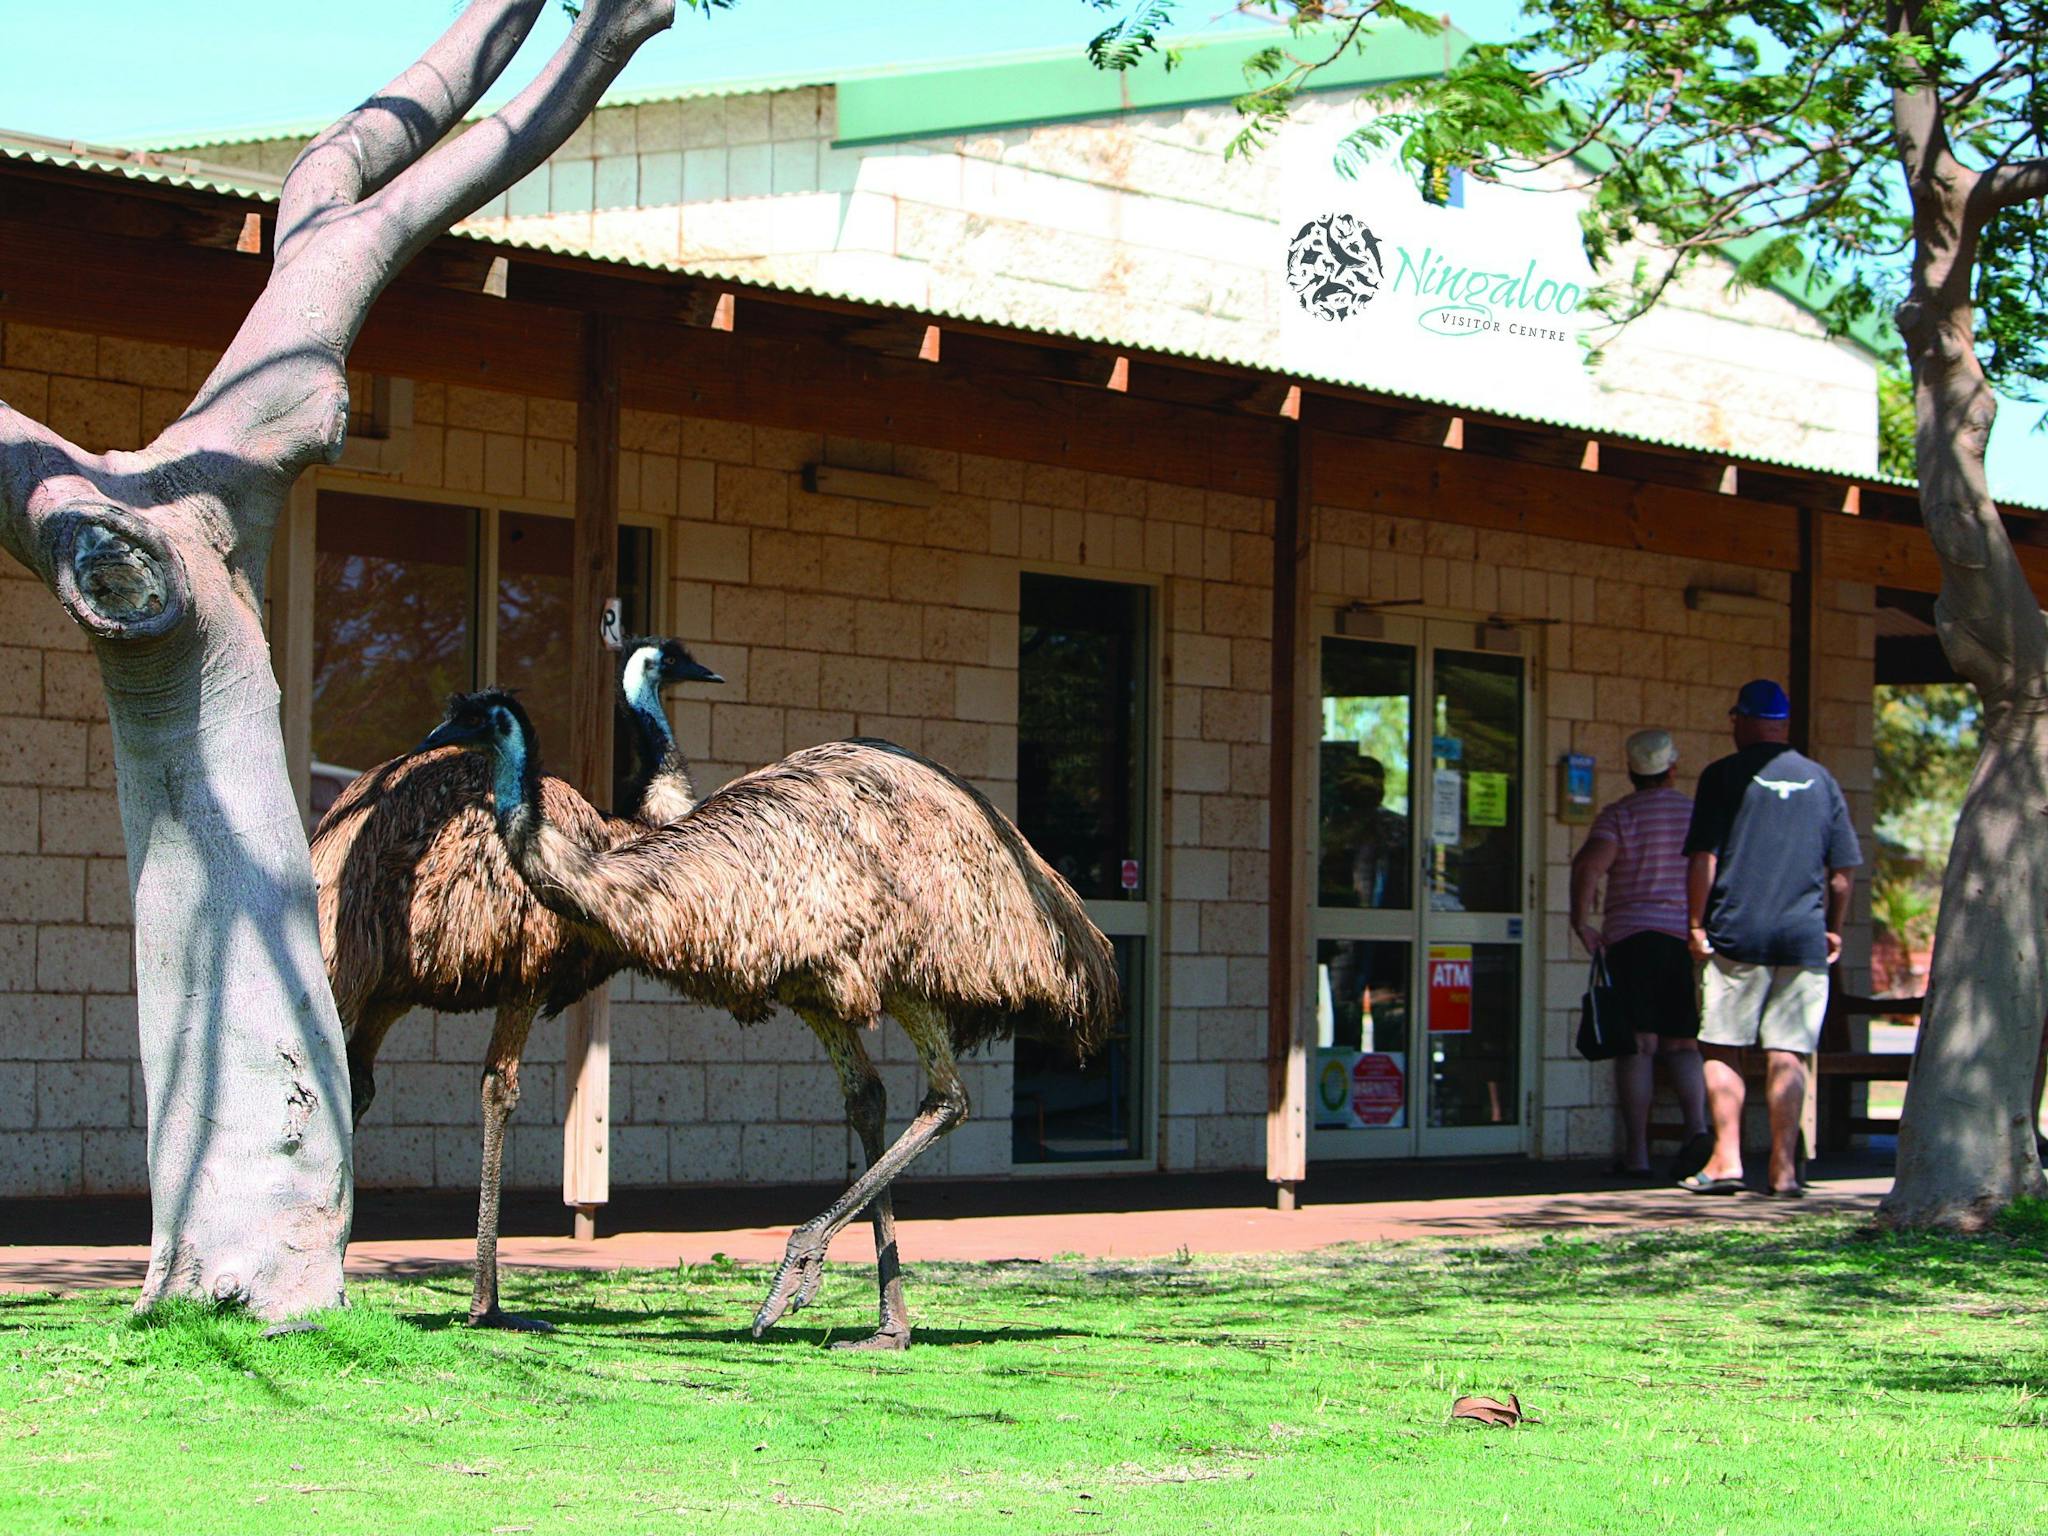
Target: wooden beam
column 1288, row 830
column 1900, row 555
column 586, row 1119
column 1407, row 480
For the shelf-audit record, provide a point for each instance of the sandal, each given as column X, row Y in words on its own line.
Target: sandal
column 1697, row 1152
column 1700, row 1184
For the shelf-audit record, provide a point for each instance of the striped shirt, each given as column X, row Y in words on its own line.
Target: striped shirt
column 1646, row 881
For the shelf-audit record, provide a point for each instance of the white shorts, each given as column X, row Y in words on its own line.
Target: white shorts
column 1779, row 1007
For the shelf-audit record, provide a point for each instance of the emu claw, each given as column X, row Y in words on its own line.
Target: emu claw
column 795, row 1286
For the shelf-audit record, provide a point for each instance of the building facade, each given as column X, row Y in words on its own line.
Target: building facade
column 1073, row 606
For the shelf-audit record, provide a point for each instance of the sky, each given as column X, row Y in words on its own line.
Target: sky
column 115, row 71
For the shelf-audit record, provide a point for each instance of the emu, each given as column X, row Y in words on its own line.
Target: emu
column 844, row 881
column 419, row 908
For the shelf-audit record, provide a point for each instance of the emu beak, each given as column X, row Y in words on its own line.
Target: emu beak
column 446, row 734
column 694, row 671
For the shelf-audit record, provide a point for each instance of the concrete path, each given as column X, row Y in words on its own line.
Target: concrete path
column 1135, row 1234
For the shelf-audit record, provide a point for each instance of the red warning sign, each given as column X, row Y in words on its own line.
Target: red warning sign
column 1450, row 989
column 1130, row 874
column 1378, row 1089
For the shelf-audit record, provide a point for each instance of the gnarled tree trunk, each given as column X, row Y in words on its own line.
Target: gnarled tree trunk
column 159, row 557
column 1966, row 1139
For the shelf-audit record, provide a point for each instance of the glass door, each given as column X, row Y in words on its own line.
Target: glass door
column 1420, row 986
column 1084, row 729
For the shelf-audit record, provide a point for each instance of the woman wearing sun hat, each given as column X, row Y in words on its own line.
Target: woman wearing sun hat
column 1637, row 844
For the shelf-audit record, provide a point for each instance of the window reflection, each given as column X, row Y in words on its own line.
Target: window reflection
column 1475, row 853
column 1081, row 708
column 1475, row 1064
column 1362, row 1014
column 1066, row 1113
column 1366, row 835
column 393, row 632
column 535, row 555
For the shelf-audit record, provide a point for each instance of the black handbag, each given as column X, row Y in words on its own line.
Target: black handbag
column 1603, row 1033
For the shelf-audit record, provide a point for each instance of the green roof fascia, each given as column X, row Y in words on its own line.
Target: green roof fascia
column 1063, row 86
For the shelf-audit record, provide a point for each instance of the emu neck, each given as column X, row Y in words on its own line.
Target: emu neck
column 515, row 787
column 663, row 791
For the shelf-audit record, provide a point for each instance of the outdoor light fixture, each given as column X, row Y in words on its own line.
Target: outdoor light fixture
column 867, row 485
column 1746, row 605
column 1498, row 634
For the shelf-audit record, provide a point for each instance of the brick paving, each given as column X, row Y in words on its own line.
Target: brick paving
column 1149, row 1229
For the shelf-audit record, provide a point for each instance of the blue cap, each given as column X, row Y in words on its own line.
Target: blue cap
column 1762, row 699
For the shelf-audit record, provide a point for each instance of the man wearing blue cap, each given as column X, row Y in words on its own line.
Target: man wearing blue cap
column 1770, row 851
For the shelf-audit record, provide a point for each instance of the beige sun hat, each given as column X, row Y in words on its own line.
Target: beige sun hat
column 1651, row 752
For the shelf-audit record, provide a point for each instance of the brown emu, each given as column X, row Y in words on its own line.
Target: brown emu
column 419, row 908
column 844, row 881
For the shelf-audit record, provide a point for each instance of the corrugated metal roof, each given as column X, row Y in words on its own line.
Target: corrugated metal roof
column 184, row 172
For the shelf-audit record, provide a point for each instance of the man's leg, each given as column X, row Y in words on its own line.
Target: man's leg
column 1786, row 1087
column 1732, row 995
column 1789, row 1033
column 1632, row 1084
column 1725, row 1095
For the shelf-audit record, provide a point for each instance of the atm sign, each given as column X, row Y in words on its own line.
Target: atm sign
column 1450, row 989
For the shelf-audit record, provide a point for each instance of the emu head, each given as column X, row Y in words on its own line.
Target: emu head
column 652, row 662
column 489, row 721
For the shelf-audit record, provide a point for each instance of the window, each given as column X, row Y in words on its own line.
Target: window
column 1084, row 714
column 401, row 620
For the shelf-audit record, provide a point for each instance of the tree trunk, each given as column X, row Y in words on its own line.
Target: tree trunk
column 249, row 1134
column 159, row 557
column 1966, row 1137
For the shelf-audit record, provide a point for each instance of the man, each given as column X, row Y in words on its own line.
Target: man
column 1767, row 887
column 1637, row 845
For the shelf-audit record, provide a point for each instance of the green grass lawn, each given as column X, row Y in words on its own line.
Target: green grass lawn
column 1801, row 1380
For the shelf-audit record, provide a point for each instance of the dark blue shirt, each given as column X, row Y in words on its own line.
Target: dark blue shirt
column 1777, row 822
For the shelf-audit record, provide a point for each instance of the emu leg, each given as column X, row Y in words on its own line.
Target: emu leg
column 365, row 1035
column 945, row 1106
column 500, row 1098
column 866, row 1111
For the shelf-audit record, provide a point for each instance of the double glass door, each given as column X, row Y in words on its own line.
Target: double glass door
column 1421, row 983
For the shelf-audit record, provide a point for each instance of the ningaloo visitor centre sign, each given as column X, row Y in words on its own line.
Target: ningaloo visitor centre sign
column 1481, row 301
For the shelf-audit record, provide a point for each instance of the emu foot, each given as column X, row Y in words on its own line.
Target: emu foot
column 511, row 1322
column 897, row 1338
column 796, row 1282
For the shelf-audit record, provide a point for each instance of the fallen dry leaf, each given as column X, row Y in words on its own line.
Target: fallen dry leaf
column 1492, row 1412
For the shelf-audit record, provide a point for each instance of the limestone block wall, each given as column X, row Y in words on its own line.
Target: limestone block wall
column 828, row 618
column 832, row 617
column 71, row 1101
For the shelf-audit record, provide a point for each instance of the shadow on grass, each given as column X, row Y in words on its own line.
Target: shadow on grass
column 597, row 1324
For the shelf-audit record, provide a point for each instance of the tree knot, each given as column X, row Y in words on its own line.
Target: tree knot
column 115, row 573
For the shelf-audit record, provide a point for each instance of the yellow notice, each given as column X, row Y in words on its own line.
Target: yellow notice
column 1486, row 799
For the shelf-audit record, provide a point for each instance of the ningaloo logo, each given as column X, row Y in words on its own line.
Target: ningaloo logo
column 1333, row 266
column 1336, row 265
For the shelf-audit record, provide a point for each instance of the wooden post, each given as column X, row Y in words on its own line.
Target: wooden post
column 1288, row 839
column 586, row 1116
column 1803, row 683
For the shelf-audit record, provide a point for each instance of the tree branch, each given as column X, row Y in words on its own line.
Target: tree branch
column 31, row 457
column 2009, row 185
column 412, row 114
column 460, row 177
column 280, row 390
